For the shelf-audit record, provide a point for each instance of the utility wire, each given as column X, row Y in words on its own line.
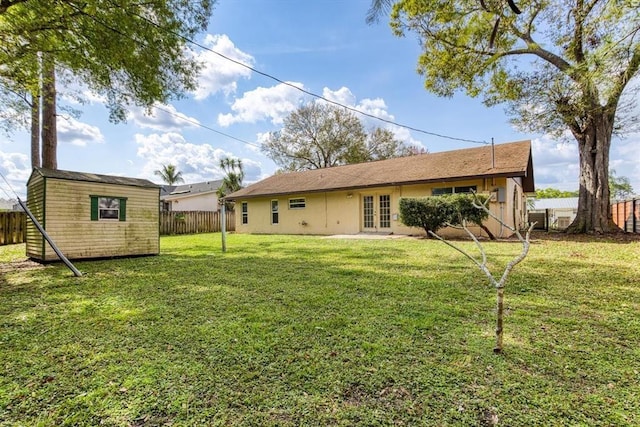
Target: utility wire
column 262, row 73
column 197, row 123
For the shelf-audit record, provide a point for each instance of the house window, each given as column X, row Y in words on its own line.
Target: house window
column 297, row 203
column 245, row 213
column 274, row 212
column 451, row 190
column 105, row 208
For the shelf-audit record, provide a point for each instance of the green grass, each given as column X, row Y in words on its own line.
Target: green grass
column 289, row 331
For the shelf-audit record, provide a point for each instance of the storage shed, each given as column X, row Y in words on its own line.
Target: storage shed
column 92, row 216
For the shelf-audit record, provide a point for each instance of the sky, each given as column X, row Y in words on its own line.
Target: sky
column 324, row 47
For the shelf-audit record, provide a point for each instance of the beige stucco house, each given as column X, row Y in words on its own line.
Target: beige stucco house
column 364, row 197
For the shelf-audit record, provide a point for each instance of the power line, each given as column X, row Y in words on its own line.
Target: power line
column 262, row 73
column 197, row 123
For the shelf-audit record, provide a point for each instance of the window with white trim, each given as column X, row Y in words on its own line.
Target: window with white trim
column 274, row 212
column 245, row 213
column 453, row 190
column 108, row 208
column 299, row 203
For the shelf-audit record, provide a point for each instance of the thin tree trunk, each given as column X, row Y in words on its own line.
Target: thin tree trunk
column 49, row 130
column 35, row 130
column 499, row 319
column 594, row 205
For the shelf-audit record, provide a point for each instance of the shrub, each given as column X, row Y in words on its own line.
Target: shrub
column 433, row 213
column 464, row 210
column 429, row 213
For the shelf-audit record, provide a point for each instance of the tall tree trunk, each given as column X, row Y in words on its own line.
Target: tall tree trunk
column 594, row 205
column 49, row 130
column 35, row 130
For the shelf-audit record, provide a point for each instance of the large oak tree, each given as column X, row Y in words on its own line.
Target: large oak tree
column 559, row 65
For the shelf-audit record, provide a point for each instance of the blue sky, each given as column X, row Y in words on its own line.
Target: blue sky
column 324, row 47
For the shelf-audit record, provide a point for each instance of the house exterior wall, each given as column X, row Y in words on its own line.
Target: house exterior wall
column 67, row 219
column 198, row 202
column 342, row 212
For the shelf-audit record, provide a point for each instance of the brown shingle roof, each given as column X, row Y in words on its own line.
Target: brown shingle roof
column 511, row 160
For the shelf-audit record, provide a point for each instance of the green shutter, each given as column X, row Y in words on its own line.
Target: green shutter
column 123, row 209
column 94, row 208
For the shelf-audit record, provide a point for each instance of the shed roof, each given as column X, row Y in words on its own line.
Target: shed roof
column 508, row 160
column 91, row 177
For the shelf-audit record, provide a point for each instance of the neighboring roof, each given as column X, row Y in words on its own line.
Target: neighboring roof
column 511, row 160
column 178, row 191
column 91, row 177
column 558, row 203
column 7, row 204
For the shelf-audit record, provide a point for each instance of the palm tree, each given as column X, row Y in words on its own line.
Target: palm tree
column 169, row 174
column 234, row 174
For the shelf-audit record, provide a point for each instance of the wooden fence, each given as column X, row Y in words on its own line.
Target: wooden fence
column 192, row 222
column 626, row 215
column 13, row 227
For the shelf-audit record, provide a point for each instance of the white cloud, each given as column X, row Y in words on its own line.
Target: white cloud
column 625, row 159
column 273, row 103
column 375, row 107
column 77, row 133
column 164, row 118
column 16, row 168
column 555, row 163
column 197, row 162
column 220, row 74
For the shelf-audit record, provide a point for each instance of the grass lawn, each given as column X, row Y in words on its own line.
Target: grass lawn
column 290, row 330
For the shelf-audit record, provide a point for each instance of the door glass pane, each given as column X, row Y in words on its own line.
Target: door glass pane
column 385, row 211
column 367, row 205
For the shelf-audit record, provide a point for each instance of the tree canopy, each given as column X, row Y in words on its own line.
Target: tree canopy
column 319, row 135
column 561, row 65
column 169, row 174
column 554, row 193
column 132, row 52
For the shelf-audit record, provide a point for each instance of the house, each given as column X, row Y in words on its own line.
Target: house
column 92, row 216
column 557, row 213
column 364, row 197
column 201, row 196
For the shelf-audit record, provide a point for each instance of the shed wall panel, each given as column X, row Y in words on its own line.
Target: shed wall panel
column 36, row 204
column 68, row 219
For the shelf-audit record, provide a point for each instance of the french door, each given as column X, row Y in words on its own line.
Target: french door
column 376, row 212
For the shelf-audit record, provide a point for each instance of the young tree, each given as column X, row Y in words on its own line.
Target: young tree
column 583, row 55
column 232, row 181
column 319, row 135
column 169, row 174
column 498, row 284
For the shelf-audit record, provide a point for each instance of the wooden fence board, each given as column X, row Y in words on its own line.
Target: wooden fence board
column 13, row 227
column 193, row 222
